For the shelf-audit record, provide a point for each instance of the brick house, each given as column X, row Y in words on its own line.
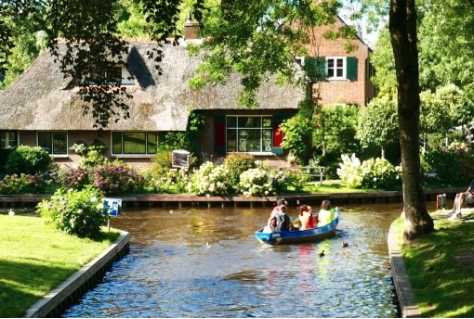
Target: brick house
column 41, row 108
column 348, row 73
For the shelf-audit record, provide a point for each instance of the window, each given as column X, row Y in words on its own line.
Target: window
column 249, row 133
column 336, row 68
column 370, row 69
column 8, row 139
column 110, row 75
column 134, row 143
column 341, row 68
column 54, row 143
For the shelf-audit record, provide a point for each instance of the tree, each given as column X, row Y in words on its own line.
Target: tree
column 27, row 32
column 334, row 130
column 255, row 38
column 447, row 45
column 444, row 109
column 377, row 123
column 403, row 35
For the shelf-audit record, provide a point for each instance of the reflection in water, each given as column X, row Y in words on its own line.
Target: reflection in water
column 207, row 263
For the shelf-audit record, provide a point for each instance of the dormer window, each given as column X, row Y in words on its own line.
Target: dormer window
column 111, row 75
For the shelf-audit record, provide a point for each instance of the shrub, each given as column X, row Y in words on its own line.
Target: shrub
column 91, row 156
column 255, row 182
column 161, row 162
column 289, row 179
column 210, row 179
column 376, row 173
column 116, row 178
column 77, row 178
column 380, row 174
column 238, row 163
column 75, row 212
column 28, row 160
column 350, row 171
column 453, row 165
column 173, row 181
column 22, row 184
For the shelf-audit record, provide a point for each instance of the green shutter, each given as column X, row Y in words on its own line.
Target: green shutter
column 321, row 61
column 315, row 68
column 351, row 70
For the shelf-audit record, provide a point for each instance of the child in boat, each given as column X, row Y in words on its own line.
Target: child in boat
column 307, row 219
column 326, row 213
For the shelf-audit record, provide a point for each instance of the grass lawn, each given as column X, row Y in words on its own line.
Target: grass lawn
column 332, row 187
column 441, row 268
column 35, row 258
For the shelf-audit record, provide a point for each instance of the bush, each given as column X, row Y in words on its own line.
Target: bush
column 210, row 179
column 288, row 180
column 22, row 184
column 116, row 178
column 376, row 173
column 91, row 156
column 453, row 165
column 350, row 171
column 77, row 178
column 380, row 174
column 161, row 163
column 28, row 160
column 174, row 180
column 75, row 212
column 238, row 163
column 255, row 182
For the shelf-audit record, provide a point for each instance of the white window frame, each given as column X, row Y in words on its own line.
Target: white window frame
column 52, row 152
column 300, row 60
column 336, row 68
column 126, row 78
column 266, row 144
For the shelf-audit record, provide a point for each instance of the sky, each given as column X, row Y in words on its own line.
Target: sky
column 345, row 13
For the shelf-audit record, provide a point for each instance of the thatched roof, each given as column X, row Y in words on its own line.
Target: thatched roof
column 41, row 99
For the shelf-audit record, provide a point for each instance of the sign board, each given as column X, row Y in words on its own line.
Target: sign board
column 180, row 158
column 112, row 206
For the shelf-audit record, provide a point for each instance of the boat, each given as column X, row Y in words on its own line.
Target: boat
column 299, row 236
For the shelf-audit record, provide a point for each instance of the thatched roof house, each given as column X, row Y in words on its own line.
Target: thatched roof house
column 41, row 100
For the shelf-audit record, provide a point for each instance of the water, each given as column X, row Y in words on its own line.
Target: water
column 207, row 263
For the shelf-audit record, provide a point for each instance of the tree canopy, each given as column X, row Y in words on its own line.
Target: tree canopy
column 255, row 38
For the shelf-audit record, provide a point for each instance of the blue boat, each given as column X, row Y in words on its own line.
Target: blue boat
column 299, row 236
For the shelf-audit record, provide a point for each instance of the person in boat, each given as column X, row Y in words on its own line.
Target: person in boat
column 461, row 198
column 271, row 223
column 276, row 210
column 307, row 218
column 326, row 213
column 282, row 220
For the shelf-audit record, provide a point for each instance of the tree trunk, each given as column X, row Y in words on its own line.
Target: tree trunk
column 404, row 43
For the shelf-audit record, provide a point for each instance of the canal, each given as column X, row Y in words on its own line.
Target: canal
column 203, row 262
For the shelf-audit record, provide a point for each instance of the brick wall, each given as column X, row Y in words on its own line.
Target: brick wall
column 359, row 91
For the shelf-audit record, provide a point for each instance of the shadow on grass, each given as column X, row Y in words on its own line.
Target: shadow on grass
column 24, row 283
column 443, row 285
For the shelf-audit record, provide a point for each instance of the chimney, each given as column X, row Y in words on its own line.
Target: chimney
column 191, row 29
